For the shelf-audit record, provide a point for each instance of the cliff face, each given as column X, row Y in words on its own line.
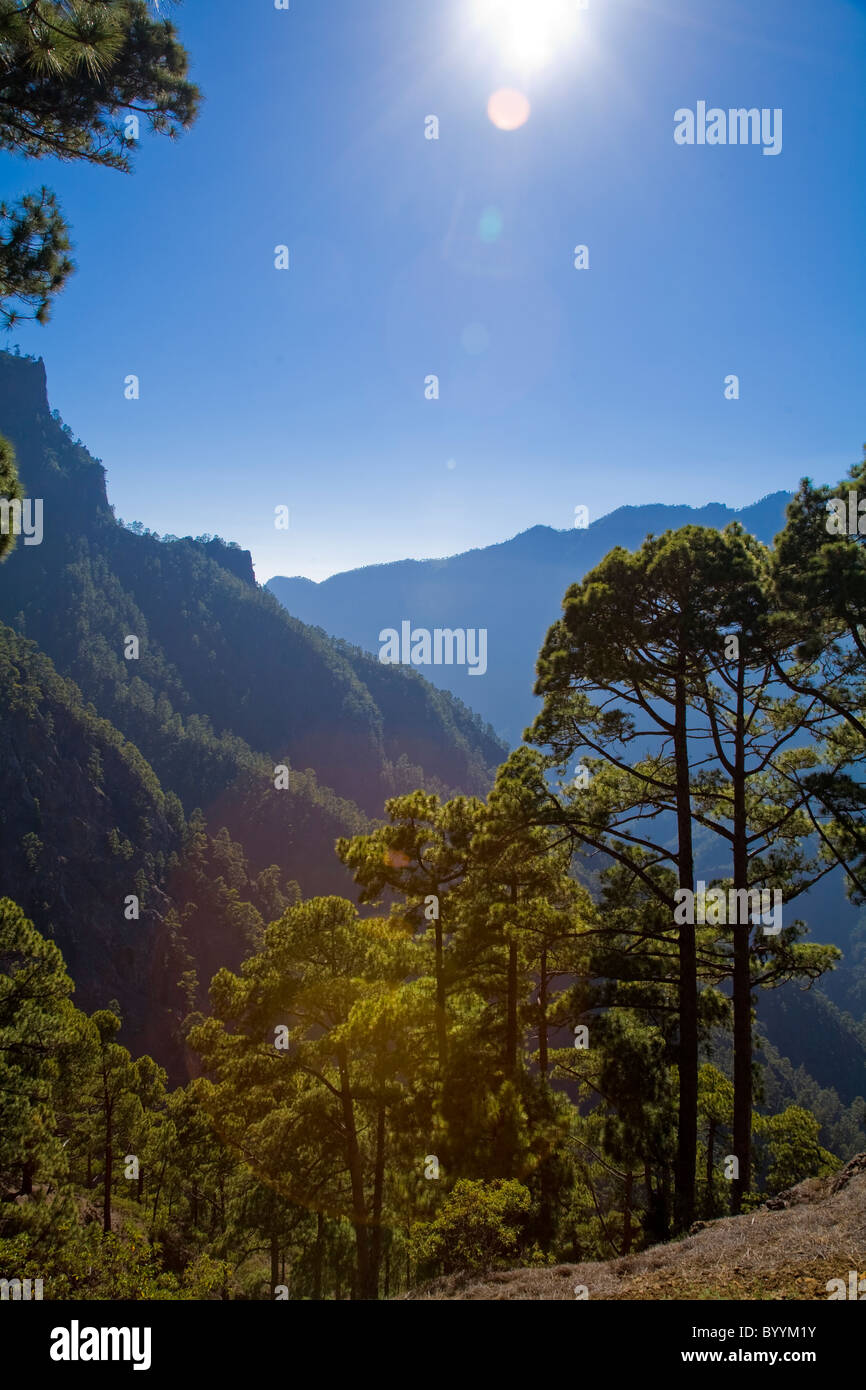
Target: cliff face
column 238, row 562
column 70, row 482
column 64, row 474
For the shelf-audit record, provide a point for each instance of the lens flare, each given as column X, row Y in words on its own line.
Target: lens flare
column 508, row 109
column 490, row 225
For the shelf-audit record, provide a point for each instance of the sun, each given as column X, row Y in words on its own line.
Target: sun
column 528, row 33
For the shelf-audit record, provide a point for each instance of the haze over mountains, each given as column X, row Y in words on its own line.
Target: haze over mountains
column 513, row 589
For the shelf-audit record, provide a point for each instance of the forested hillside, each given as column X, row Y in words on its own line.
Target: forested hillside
column 84, row 823
column 111, row 753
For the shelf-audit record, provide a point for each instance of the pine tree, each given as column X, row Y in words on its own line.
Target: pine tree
column 819, row 576
column 325, row 1030
column 423, row 854
column 77, row 80
column 672, row 652
column 616, row 672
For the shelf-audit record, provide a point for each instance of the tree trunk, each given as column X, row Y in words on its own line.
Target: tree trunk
column 742, row 984
column 687, row 1141
column 275, row 1261
column 107, row 1175
column 711, row 1158
column 441, row 1025
column 511, row 1006
column 664, row 1195
column 378, row 1196
column 511, row 1030
column 542, row 1017
column 353, row 1162
column 626, row 1220
column 317, row 1257
column 158, row 1190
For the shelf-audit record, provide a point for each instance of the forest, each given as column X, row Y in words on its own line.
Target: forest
column 508, row 1050
column 310, row 988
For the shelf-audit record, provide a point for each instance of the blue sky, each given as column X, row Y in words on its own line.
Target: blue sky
column 558, row 387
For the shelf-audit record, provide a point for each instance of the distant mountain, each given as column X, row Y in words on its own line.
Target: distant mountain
column 514, row 590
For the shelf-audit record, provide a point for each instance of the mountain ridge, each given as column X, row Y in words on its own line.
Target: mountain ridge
column 694, row 516
column 513, row 588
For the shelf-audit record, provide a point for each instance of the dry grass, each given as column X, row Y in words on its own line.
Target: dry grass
column 787, row 1250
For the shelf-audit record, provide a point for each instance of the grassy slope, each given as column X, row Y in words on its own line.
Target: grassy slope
column 815, row 1232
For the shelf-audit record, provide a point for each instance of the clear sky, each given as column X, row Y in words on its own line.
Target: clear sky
column 558, row 387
